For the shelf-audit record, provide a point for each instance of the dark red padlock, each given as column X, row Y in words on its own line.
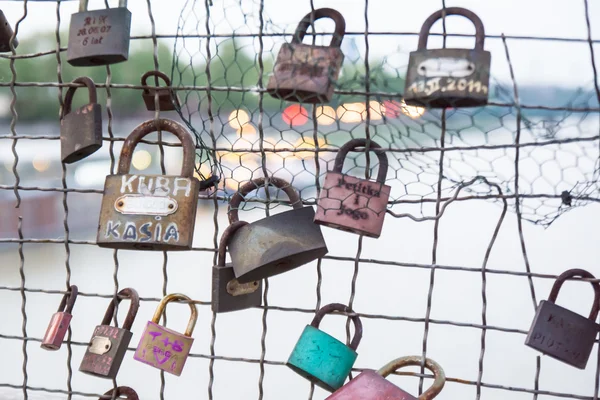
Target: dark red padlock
column 167, row 99
column 128, row 392
column 59, row 324
column 371, row 385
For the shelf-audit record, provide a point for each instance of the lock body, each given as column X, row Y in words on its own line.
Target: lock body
column 99, row 37
column 166, row 100
column 81, row 133
column 369, row 385
column 6, row 33
column 56, row 331
column 228, row 294
column 106, row 351
column 163, row 348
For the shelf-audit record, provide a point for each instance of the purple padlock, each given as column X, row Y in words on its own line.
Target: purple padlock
column 59, row 324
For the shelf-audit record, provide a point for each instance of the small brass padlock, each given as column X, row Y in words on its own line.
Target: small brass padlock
column 81, row 129
column 6, row 33
column 150, row 212
column 128, row 392
column 99, row 37
column 307, row 73
column 561, row 333
column 371, row 385
column 108, row 345
column 228, row 294
column 164, row 348
column 442, row 78
column 59, row 324
column 167, row 99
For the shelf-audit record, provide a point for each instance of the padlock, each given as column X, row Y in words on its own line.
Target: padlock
column 167, row 99
column 150, row 212
column 275, row 244
column 371, row 385
column 307, row 73
column 352, row 204
column 6, row 33
column 164, row 348
column 321, row 358
column 80, row 130
column 59, row 324
column 441, row 78
column 228, row 294
column 561, row 333
column 108, row 345
column 99, row 37
column 128, row 392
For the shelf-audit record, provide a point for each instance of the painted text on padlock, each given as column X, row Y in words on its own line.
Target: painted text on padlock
column 163, row 348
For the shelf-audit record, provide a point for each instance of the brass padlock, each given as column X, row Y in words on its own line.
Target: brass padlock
column 228, row 294
column 150, row 212
column 442, row 78
column 6, row 33
column 80, row 130
column 128, row 392
column 167, row 99
column 99, row 37
column 307, row 73
column 561, row 333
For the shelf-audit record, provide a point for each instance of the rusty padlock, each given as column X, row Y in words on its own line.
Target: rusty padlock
column 442, row 78
column 80, row 130
column 275, row 244
column 99, row 37
column 371, row 385
column 307, row 73
column 153, row 348
column 150, row 212
column 561, row 333
column 352, row 204
column 108, row 345
column 128, row 392
column 6, row 33
column 59, row 324
column 167, row 99
column 228, row 294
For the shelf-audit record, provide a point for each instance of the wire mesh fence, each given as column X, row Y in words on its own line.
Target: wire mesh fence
column 461, row 263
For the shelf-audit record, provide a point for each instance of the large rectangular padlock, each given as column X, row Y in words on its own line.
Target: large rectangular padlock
column 150, row 212
column 441, row 78
column 561, row 333
column 81, row 129
column 371, row 385
column 164, row 348
column 105, row 353
column 59, row 324
column 307, row 73
column 352, row 204
column 6, row 33
column 99, row 37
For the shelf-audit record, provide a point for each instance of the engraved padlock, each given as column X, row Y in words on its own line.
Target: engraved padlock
column 307, row 73
column 321, row 358
column 108, row 345
column 99, row 37
column 128, row 392
column 59, row 324
column 150, row 212
column 352, row 204
column 439, row 78
column 167, row 99
column 275, row 244
column 228, row 294
column 561, row 333
column 6, row 33
column 164, row 348
column 371, row 385
column 80, row 129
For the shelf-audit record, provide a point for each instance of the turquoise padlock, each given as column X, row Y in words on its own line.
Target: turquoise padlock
column 321, row 358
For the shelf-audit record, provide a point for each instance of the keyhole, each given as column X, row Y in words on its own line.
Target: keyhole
column 171, row 206
column 106, row 346
column 255, row 283
column 120, row 203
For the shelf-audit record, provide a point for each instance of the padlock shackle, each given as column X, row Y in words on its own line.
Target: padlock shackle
column 68, row 300
column 127, row 293
column 173, row 297
column 159, row 74
column 353, row 144
column 121, row 391
column 330, row 308
column 255, row 184
column 584, row 274
column 340, row 25
column 438, row 373
column 83, row 4
column 143, row 129
column 479, row 29
column 227, row 235
column 89, row 83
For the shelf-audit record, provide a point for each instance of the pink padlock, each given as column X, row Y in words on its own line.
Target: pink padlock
column 352, row 204
column 59, row 324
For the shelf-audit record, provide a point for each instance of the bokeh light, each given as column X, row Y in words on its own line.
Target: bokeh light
column 238, row 118
column 295, row 115
column 141, row 160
